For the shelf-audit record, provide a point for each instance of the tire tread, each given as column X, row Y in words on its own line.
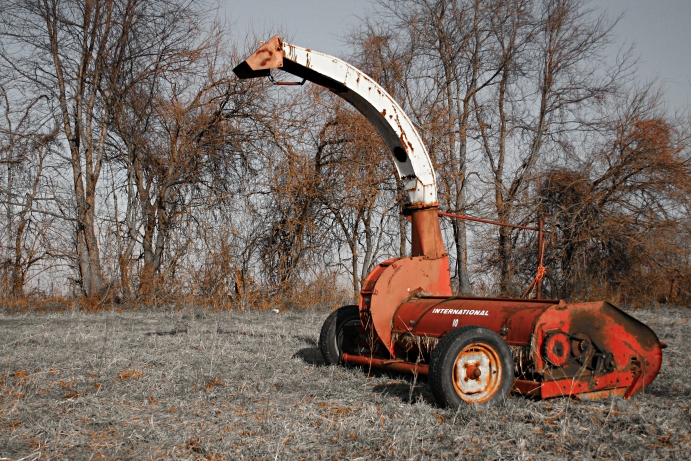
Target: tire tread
column 327, row 336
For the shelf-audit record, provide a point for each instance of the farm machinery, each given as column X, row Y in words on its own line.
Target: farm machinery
column 473, row 350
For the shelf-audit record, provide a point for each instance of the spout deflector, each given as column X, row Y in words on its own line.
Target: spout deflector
column 409, row 153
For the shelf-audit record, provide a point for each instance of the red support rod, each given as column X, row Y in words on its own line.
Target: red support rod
column 487, row 221
column 537, row 281
column 540, row 257
column 388, row 364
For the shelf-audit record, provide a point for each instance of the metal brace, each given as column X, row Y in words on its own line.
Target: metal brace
column 271, row 78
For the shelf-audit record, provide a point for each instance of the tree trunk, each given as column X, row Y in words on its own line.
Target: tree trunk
column 88, row 254
column 504, row 251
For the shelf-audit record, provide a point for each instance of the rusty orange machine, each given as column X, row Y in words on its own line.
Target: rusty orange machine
column 473, row 350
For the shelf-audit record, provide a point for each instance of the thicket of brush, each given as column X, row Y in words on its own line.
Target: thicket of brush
column 136, row 169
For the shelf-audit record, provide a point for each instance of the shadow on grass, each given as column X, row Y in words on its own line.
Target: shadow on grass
column 306, row 339
column 666, row 392
column 311, row 355
column 401, row 386
column 405, row 388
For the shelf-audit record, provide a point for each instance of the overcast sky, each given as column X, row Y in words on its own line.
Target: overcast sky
column 660, row 29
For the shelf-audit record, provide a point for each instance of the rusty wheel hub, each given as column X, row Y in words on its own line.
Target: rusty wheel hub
column 477, row 373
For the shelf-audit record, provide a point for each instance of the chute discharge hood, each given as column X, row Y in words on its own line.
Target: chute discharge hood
column 410, row 156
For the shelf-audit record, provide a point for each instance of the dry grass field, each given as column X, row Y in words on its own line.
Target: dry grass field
column 252, row 385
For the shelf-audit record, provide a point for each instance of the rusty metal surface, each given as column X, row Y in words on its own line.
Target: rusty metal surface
column 367, row 292
column 425, row 272
column 536, row 283
column 426, row 238
column 486, row 221
column 393, row 365
column 477, row 373
column 584, row 348
column 401, row 279
column 269, row 56
column 557, row 348
column 513, row 319
column 607, row 348
column 590, row 389
column 593, row 350
column 541, row 270
column 258, row 64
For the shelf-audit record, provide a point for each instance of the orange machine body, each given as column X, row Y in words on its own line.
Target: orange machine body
column 592, row 349
column 406, row 304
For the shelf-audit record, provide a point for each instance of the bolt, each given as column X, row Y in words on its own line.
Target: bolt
column 473, row 372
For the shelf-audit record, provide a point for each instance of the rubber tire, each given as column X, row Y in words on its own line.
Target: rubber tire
column 332, row 330
column 442, row 362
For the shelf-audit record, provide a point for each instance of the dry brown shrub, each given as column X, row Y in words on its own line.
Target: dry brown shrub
column 67, row 384
column 218, row 381
column 21, row 374
column 621, row 231
column 132, row 373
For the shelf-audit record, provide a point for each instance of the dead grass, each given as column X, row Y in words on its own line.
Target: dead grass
column 252, row 385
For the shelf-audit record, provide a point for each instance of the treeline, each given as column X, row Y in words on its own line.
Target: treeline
column 136, row 167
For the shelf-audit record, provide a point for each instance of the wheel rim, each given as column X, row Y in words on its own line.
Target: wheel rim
column 477, row 373
column 348, row 337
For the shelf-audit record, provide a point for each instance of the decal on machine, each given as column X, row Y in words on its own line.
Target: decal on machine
column 460, row 312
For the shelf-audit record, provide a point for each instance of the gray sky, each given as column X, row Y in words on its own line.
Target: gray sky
column 660, row 29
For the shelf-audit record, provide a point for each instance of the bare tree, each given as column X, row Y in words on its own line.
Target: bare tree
column 450, row 56
column 383, row 58
column 25, row 141
column 123, row 124
column 359, row 190
column 68, row 50
column 85, row 56
column 177, row 152
column 554, row 73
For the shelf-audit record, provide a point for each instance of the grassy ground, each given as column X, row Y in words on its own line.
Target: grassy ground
column 252, row 385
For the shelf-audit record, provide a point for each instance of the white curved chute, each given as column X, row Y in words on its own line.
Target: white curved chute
column 371, row 100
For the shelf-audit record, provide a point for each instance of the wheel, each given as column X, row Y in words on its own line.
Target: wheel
column 342, row 332
column 471, row 365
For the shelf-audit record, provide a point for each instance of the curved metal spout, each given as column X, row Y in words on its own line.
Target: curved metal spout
column 410, row 156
